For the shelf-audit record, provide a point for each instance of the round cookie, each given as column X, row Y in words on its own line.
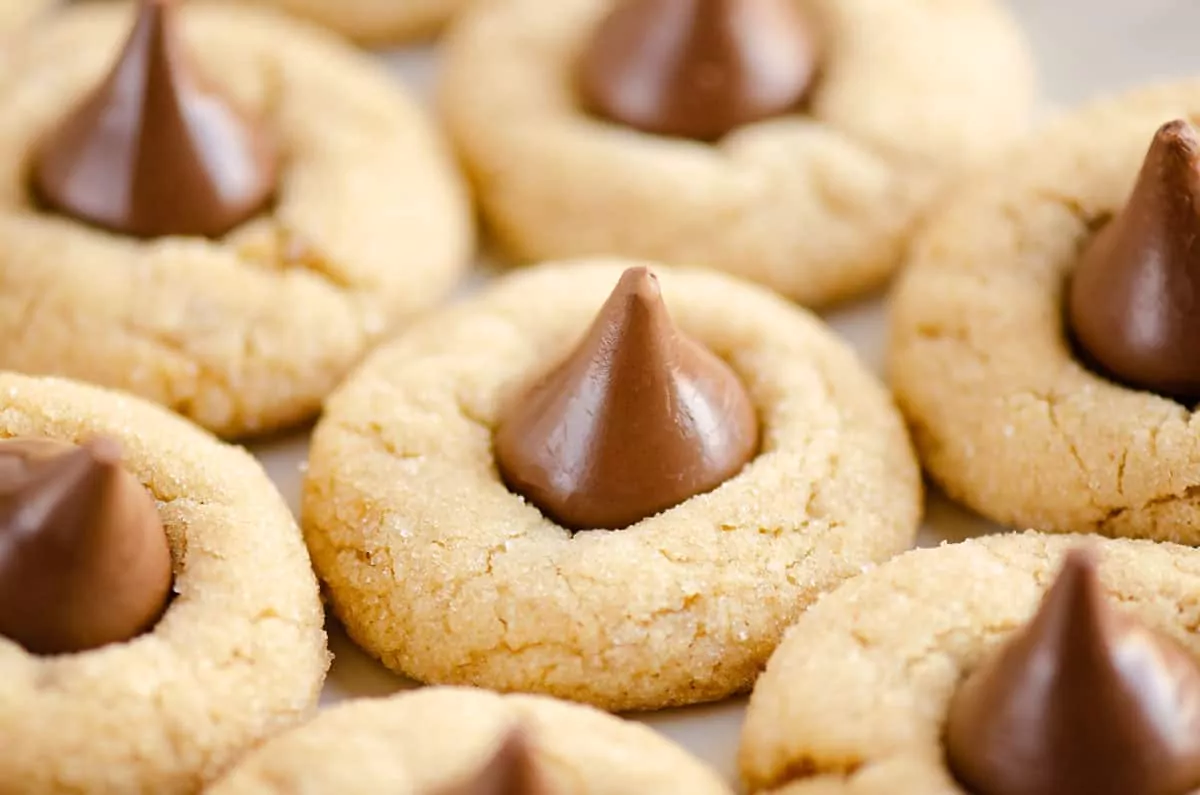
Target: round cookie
column 855, row 698
column 1005, row 415
column 247, row 333
column 239, row 654
column 817, row 206
column 422, row 740
column 374, row 21
column 444, row 574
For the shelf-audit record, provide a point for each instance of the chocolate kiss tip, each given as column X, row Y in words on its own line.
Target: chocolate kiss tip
column 636, row 419
column 1180, row 131
column 104, row 449
column 1044, row 714
column 697, row 68
column 1133, row 303
column 1077, row 594
column 639, row 284
column 1079, row 564
column 1175, row 140
column 153, row 151
column 509, row 771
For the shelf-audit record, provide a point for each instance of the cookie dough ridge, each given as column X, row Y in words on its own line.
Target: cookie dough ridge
column 374, row 21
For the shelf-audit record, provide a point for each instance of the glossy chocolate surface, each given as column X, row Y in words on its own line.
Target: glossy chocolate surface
column 1134, row 301
column 154, row 151
column 84, row 559
column 637, row 419
column 697, row 68
column 1084, row 700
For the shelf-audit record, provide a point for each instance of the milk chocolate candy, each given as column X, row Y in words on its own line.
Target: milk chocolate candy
column 637, row 419
column 154, row 151
column 1134, row 300
column 84, row 559
column 697, row 68
column 1084, row 700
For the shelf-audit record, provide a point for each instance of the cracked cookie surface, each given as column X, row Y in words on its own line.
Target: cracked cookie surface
column 441, row 572
column 1004, row 415
column 854, row 700
column 249, row 333
column 373, row 21
column 817, row 206
column 419, row 741
column 240, row 653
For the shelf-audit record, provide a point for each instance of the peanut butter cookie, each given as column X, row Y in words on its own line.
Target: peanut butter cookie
column 929, row 672
column 1039, row 342
column 430, row 740
column 226, row 221
column 458, row 484
column 93, row 697
column 790, row 142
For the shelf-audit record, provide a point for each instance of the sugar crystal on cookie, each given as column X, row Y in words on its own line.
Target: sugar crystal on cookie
column 697, row 68
column 84, row 559
column 154, row 151
column 1083, row 700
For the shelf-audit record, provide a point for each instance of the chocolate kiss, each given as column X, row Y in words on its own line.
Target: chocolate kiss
column 638, row 419
column 697, row 68
column 1134, row 301
column 510, row 771
column 84, row 559
column 153, row 151
column 1083, row 701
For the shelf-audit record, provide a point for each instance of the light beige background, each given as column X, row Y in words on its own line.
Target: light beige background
column 1085, row 48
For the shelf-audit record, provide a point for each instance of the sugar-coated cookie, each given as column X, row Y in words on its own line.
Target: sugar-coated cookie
column 1009, row 414
column 857, row 698
column 239, row 654
column 442, row 572
column 816, row 204
column 426, row 741
column 246, row 330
